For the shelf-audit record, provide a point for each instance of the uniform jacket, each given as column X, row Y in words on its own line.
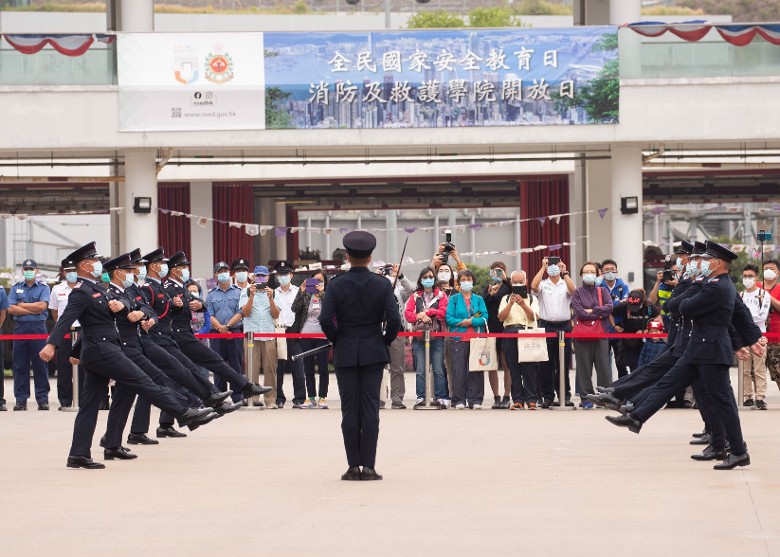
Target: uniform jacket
column 357, row 304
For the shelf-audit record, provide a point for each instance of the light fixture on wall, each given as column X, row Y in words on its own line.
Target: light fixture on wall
column 629, row 205
column 142, row 205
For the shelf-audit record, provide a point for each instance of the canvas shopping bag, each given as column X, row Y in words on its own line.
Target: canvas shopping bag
column 531, row 349
column 281, row 343
column 482, row 354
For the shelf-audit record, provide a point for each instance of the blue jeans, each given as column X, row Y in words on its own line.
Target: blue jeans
column 436, row 356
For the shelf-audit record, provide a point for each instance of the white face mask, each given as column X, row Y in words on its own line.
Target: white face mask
column 769, row 275
column 609, row 276
column 194, row 294
column 466, row 286
column 589, row 278
column 97, row 269
column 284, row 280
column 749, row 282
column 163, row 272
column 444, row 277
column 142, row 273
column 241, row 276
column 129, row 280
column 185, row 274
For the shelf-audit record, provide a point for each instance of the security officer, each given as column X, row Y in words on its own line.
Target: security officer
column 222, row 303
column 28, row 302
column 708, row 356
column 357, row 304
column 239, row 268
column 57, row 304
column 103, row 359
column 181, row 308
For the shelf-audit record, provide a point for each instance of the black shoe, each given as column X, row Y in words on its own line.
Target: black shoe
column 605, row 389
column 84, row 462
column 43, row 406
column 626, row 408
column 397, row 405
column 496, row 403
column 505, row 403
column 569, row 402
column 141, row 439
column 3, row 407
column 710, row 453
column 227, row 408
column 748, row 403
column 20, row 406
column 687, row 404
column 606, row 400
column 732, row 461
column 204, row 416
column 194, row 414
column 699, row 434
column 351, row 475
column 625, row 420
column 105, row 405
column 546, row 403
column 121, row 454
column 703, row 440
column 169, row 432
column 369, row 474
column 215, row 399
column 253, row 389
column 761, row 405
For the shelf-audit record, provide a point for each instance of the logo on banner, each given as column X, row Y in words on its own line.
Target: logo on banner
column 186, row 70
column 219, row 67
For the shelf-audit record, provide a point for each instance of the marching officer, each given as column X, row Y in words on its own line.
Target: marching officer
column 103, row 359
column 353, row 312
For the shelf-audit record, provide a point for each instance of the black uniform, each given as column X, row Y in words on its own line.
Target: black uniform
column 357, row 304
column 102, row 359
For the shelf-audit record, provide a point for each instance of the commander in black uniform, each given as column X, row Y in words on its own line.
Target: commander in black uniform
column 357, row 304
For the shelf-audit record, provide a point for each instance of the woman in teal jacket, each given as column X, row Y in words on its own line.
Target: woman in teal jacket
column 466, row 313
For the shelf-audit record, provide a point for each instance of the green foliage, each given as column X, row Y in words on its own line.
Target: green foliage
column 670, row 10
column 435, row 20
column 491, row 17
column 540, row 7
column 3, row 281
column 482, row 275
column 276, row 117
column 740, row 10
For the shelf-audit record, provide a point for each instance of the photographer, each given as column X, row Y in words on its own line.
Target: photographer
column 446, row 251
column 307, row 308
column 634, row 314
column 403, row 289
column 494, row 293
column 665, row 281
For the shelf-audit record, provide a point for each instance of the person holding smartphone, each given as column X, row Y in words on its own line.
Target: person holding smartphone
column 307, row 308
column 498, row 288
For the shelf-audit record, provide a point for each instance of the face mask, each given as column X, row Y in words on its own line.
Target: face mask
column 105, row 278
column 142, row 273
column 553, row 270
column 609, row 276
column 129, row 280
column 692, row 269
column 71, row 276
column 466, row 286
column 427, row 282
column 284, row 280
column 444, row 277
column 185, row 275
column 679, row 263
column 705, row 267
column 28, row 275
column 749, row 282
column 194, row 294
column 97, row 269
column 223, row 277
column 769, row 275
column 589, row 278
column 241, row 276
column 163, row 270
column 599, row 281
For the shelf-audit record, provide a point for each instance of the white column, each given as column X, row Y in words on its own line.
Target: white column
column 624, row 11
column 202, row 238
column 627, row 229
column 597, row 245
column 137, row 16
column 138, row 230
column 281, row 220
column 391, row 236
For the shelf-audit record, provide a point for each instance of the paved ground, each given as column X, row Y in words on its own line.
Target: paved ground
column 462, row 482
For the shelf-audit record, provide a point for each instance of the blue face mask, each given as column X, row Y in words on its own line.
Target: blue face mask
column 97, row 269
column 163, row 270
column 129, row 280
column 679, row 263
column 427, row 282
column 185, row 274
column 72, row 276
column 142, row 273
column 241, row 276
column 692, row 269
column 705, row 267
column 284, row 280
column 223, row 277
column 610, row 276
column 466, row 286
column 553, row 270
column 599, row 281
column 589, row 278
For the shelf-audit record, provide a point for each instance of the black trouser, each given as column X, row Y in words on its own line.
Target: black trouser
column 298, row 375
column 231, row 350
column 65, row 372
column 628, row 387
column 620, row 364
column 626, row 357
column 359, row 390
column 202, row 355
column 163, row 352
column 101, row 363
column 321, row 359
column 524, row 374
column 549, row 371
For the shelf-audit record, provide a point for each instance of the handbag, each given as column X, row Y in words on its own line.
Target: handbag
column 594, row 327
column 531, row 349
column 482, row 353
column 281, row 342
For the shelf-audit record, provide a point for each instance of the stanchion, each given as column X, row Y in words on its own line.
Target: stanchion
column 561, row 374
column 74, row 406
column 428, row 402
column 249, row 366
column 741, row 386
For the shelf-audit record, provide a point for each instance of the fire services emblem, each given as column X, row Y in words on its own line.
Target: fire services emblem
column 219, row 67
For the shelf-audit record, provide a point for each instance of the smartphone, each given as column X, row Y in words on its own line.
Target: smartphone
column 311, row 285
column 553, row 260
column 521, row 289
column 261, row 279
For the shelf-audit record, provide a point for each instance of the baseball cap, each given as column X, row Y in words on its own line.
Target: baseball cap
column 261, row 270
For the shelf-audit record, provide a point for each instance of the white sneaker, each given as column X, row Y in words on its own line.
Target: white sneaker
column 443, row 402
column 322, row 403
column 460, row 406
column 420, row 402
column 477, row 407
column 310, row 403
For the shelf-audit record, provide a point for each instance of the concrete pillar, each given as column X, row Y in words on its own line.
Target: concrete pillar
column 626, row 232
column 138, row 230
column 281, row 220
column 597, row 244
column 202, row 238
column 391, row 236
column 624, row 11
column 578, row 203
column 137, row 16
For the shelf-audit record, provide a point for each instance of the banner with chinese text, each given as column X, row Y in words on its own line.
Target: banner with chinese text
column 441, row 78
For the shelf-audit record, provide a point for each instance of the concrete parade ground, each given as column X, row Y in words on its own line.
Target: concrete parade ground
column 456, row 482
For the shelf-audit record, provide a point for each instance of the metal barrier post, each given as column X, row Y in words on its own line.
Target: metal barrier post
column 74, row 406
column 249, row 368
column 741, row 385
column 561, row 374
column 428, row 402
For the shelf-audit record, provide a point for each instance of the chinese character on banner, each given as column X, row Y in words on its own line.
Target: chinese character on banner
column 319, row 93
column 457, row 90
column 484, row 91
column 496, row 60
column 339, row 63
column 539, row 91
column 417, row 61
column 567, row 89
column 470, row 61
column 365, row 61
column 429, row 91
column 524, row 58
column 345, row 92
column 373, row 92
column 512, row 90
column 391, row 61
column 400, row 92
column 445, row 61
column 551, row 58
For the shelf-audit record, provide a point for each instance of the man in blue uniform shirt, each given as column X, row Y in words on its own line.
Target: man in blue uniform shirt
column 222, row 304
column 29, row 302
column 357, row 304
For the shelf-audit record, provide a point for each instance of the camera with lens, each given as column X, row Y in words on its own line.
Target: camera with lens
column 387, row 270
column 448, row 246
column 668, row 273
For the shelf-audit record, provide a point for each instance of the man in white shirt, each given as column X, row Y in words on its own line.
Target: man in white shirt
column 284, row 296
column 554, row 293
column 57, row 304
column 758, row 302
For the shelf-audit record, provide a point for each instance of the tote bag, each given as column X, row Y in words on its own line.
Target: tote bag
column 482, row 353
column 281, row 342
column 531, row 349
column 595, row 327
